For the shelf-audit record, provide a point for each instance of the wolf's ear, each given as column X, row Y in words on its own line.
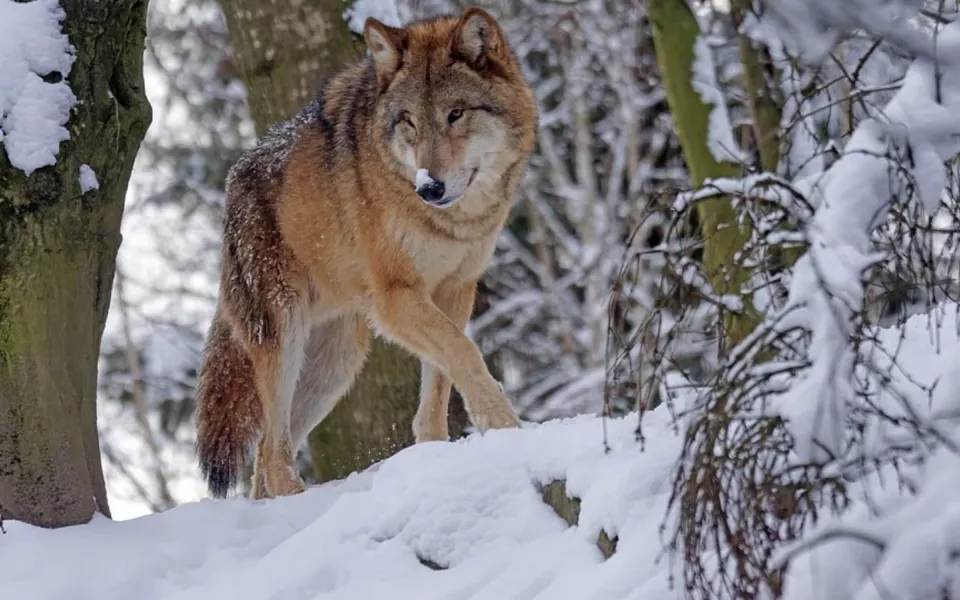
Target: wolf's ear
column 387, row 45
column 478, row 39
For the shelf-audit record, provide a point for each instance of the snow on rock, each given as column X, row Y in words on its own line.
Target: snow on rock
column 473, row 507
column 88, row 179
column 33, row 112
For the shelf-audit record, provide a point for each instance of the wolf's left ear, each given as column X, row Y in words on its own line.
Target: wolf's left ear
column 479, row 40
column 387, row 45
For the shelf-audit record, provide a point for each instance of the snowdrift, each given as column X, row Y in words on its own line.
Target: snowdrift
column 471, row 519
column 437, row 521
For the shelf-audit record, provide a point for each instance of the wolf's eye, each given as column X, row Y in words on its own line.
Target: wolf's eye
column 405, row 117
column 454, row 115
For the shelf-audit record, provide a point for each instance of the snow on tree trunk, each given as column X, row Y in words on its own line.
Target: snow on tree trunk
column 59, row 235
column 285, row 50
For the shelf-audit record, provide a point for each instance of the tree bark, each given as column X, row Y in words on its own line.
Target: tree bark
column 764, row 101
column 285, row 49
column 58, row 251
column 675, row 32
column 762, row 98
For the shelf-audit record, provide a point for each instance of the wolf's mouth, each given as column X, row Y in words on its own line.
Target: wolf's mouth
column 454, row 194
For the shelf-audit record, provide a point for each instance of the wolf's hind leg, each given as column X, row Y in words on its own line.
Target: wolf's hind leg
column 258, row 487
column 334, row 357
column 277, row 368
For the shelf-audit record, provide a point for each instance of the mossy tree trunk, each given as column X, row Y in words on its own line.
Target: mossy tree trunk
column 284, row 50
column 675, row 32
column 58, row 251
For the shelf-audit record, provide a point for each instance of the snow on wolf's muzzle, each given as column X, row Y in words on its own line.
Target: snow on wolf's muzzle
column 429, row 188
column 440, row 193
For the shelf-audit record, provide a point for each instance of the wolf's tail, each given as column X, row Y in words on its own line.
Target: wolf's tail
column 229, row 414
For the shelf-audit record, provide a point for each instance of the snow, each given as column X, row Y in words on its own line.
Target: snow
column 88, row 179
column 818, row 24
column 472, row 507
column 423, row 179
column 891, row 544
column 720, row 129
column 33, row 112
column 827, row 291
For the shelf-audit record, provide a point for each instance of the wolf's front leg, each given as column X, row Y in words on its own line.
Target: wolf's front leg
column 430, row 422
column 408, row 316
column 277, row 365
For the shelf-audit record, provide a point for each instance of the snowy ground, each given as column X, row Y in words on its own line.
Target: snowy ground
column 472, row 506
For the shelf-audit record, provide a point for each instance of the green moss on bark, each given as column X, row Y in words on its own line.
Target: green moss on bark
column 675, row 32
column 57, row 255
column 374, row 420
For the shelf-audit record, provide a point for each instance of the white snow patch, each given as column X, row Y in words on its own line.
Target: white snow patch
column 386, row 11
column 893, row 543
column 88, row 179
column 471, row 506
column 827, row 290
column 423, row 179
column 33, row 112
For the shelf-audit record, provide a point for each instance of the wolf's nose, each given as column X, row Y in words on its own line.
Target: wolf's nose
column 432, row 191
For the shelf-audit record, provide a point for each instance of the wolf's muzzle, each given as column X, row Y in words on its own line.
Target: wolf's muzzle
column 432, row 191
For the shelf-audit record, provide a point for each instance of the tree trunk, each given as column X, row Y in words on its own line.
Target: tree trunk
column 675, row 32
column 285, row 49
column 58, row 251
column 764, row 101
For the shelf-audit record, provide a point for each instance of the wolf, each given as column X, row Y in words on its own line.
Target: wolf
column 376, row 208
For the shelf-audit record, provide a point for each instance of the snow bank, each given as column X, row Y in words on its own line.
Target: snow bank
column 452, row 521
column 33, row 112
column 472, row 508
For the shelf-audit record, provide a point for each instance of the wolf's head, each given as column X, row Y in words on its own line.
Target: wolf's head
column 454, row 112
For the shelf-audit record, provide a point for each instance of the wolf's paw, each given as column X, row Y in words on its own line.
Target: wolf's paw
column 423, row 432
column 500, row 417
column 285, row 483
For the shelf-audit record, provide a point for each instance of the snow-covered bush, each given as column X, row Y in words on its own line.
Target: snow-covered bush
column 810, row 410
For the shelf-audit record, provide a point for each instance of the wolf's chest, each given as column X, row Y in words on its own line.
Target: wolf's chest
column 438, row 260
